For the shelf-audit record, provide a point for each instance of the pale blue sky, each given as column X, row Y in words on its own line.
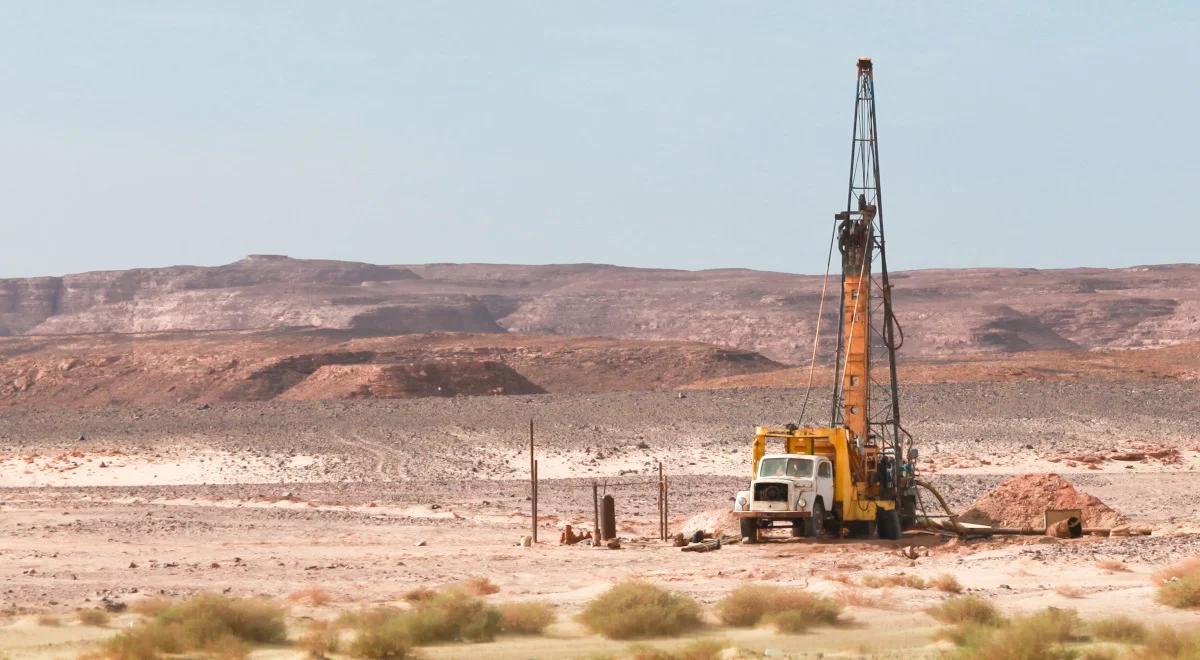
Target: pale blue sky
column 682, row 134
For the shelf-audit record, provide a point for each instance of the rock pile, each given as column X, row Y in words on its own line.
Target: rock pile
column 1022, row 501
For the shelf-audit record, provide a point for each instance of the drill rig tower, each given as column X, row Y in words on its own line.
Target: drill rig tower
column 856, row 475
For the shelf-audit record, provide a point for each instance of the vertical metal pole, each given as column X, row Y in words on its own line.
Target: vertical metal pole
column 596, row 511
column 662, row 534
column 666, row 487
column 533, row 483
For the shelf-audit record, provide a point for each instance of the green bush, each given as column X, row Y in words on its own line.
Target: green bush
column 749, row 604
column 635, row 609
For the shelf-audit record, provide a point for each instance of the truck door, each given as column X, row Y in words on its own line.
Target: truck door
column 824, row 483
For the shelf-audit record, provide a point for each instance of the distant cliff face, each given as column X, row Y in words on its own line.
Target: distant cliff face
column 942, row 312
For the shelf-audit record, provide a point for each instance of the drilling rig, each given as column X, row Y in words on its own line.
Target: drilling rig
column 856, row 476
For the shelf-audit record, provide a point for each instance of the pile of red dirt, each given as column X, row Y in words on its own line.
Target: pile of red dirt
column 713, row 521
column 1022, row 502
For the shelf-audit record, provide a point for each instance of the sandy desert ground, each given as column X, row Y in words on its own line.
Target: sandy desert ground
column 367, row 499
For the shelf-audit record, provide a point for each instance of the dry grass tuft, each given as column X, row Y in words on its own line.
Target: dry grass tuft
column 634, row 609
column 844, row 578
column 480, row 586
column 1179, row 584
column 48, row 620
column 93, row 617
column 897, row 580
column 750, row 604
column 320, row 640
column 210, row 623
column 149, row 606
column 701, row 649
column 946, row 583
column 1119, row 629
column 860, row 598
column 1069, row 591
column 311, row 595
column 528, row 618
column 1112, row 566
column 966, row 609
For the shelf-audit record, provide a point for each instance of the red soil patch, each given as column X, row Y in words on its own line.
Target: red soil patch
column 1022, row 502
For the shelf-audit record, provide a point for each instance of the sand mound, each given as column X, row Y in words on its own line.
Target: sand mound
column 713, row 521
column 1022, row 502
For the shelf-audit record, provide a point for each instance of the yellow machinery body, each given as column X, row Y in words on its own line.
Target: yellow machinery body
column 855, row 500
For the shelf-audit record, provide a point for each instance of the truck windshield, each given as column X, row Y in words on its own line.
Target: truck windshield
column 786, row 467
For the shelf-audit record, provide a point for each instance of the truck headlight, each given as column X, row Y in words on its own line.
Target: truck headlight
column 801, row 504
column 741, row 503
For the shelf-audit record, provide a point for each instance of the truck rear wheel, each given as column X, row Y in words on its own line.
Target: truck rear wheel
column 888, row 523
column 750, row 530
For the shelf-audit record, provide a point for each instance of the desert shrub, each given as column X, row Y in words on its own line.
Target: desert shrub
column 452, row 615
column 966, row 609
column 946, row 583
column 1179, row 584
column 1119, row 629
column 897, row 580
column 1038, row 636
column 320, row 640
column 528, row 618
column 1165, row 642
column 418, row 594
column 48, row 620
column 749, row 604
column 310, row 595
column 634, row 609
column 382, row 638
column 480, row 586
column 218, row 625
column 93, row 617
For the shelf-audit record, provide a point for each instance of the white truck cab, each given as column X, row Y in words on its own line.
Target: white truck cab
column 797, row 488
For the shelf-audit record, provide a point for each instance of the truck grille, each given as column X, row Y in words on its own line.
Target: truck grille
column 770, row 492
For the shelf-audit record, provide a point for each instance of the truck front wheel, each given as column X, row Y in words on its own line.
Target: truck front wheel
column 816, row 523
column 750, row 530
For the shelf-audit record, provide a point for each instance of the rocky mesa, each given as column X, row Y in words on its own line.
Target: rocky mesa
column 942, row 312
